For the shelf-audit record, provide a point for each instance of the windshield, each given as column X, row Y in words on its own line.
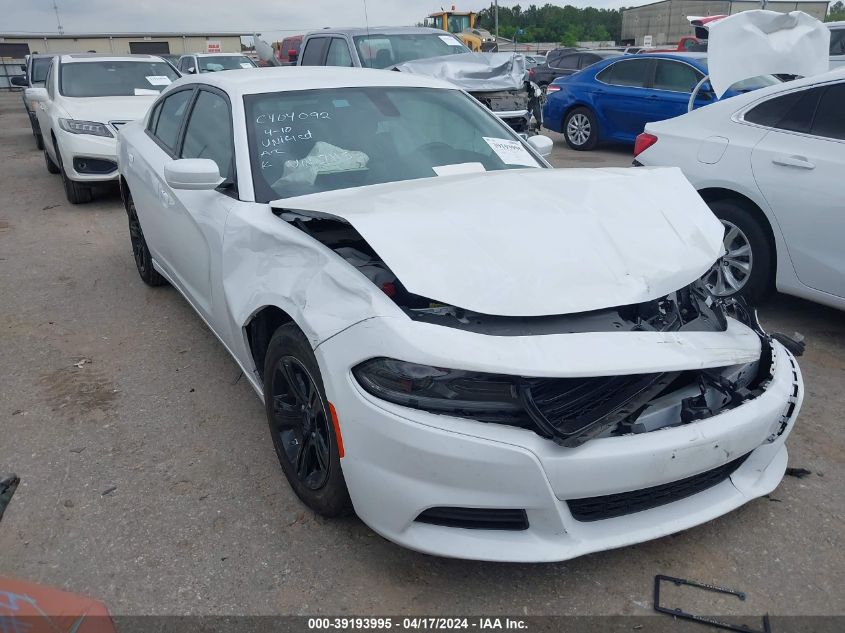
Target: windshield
column 384, row 51
column 115, row 78
column 224, row 62
column 40, row 66
column 320, row 140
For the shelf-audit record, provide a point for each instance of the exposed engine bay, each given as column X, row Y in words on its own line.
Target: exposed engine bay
column 569, row 411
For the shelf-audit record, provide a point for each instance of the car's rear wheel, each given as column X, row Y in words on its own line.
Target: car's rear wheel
column 581, row 129
column 747, row 268
column 75, row 192
column 301, row 423
column 140, row 252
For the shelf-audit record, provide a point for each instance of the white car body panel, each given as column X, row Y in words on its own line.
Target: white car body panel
column 232, row 257
column 803, row 206
column 468, row 228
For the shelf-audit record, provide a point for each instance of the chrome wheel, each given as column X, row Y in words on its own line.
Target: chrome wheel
column 729, row 274
column 578, row 129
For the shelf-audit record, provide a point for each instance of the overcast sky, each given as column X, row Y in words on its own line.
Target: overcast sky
column 267, row 16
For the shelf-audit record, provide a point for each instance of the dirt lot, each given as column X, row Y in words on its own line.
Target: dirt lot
column 149, row 479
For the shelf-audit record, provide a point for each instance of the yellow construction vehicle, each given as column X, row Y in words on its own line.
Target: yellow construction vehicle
column 460, row 23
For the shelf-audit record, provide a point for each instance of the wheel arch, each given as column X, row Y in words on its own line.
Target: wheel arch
column 258, row 331
column 716, row 194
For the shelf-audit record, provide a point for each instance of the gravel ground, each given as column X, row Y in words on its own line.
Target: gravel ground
column 149, row 480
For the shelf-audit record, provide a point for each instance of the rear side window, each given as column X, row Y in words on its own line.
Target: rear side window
column 830, row 115
column 209, row 132
column 568, row 62
column 837, row 42
column 313, row 53
column 792, row 112
column 338, row 53
column 630, row 73
column 588, row 59
column 169, row 119
column 675, row 76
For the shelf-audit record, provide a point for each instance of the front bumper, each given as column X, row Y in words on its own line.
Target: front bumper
column 87, row 146
column 399, row 462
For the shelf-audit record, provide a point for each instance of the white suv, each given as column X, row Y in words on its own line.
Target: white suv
column 84, row 101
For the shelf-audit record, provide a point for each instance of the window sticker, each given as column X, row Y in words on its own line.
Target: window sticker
column 451, row 41
column 245, row 65
column 458, row 168
column 158, row 80
column 510, row 152
column 145, row 92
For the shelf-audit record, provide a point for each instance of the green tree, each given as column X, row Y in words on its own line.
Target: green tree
column 551, row 23
column 837, row 12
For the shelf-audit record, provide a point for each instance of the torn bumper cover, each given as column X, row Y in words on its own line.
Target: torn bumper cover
column 443, row 474
column 497, row 80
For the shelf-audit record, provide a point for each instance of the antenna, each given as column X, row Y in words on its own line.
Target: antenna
column 58, row 19
column 366, row 19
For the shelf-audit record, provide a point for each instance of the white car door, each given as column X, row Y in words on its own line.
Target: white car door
column 44, row 108
column 799, row 166
column 194, row 220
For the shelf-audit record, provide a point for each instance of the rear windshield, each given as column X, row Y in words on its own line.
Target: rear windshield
column 121, row 78
column 224, row 62
column 40, row 66
column 384, row 51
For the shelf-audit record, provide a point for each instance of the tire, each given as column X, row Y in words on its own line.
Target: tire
column 75, row 192
column 39, row 141
column 584, row 133
column 748, row 267
column 303, row 436
column 140, row 252
column 52, row 167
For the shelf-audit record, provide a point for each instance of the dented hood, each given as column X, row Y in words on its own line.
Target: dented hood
column 474, row 72
column 533, row 242
column 754, row 43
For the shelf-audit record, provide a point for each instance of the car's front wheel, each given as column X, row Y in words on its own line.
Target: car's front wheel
column 747, row 267
column 52, row 167
column 581, row 129
column 301, row 423
column 140, row 252
column 75, row 192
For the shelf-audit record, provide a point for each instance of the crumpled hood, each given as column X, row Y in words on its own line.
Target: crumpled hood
column 105, row 109
column 474, row 72
column 533, row 242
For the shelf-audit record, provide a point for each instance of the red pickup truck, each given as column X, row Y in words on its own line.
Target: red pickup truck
column 688, row 44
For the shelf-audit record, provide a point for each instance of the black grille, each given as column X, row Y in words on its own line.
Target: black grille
column 572, row 410
column 84, row 165
column 475, row 518
column 610, row 506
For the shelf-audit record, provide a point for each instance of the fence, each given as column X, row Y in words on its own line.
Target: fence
column 9, row 67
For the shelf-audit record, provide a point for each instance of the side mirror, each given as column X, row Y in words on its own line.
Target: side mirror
column 19, row 81
column 542, row 144
column 36, row 94
column 192, row 173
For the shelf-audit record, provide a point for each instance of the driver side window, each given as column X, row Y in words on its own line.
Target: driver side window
column 208, row 133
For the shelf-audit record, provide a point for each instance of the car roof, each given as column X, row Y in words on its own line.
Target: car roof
column 105, row 57
column 289, row 78
column 213, row 54
column 377, row 30
column 831, row 25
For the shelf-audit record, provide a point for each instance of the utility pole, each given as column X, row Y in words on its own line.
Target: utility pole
column 58, row 19
column 496, row 18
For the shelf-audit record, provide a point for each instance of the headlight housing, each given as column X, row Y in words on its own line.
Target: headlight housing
column 85, row 127
column 486, row 397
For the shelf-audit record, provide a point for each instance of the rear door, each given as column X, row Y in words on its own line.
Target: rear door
column 670, row 90
column 799, row 166
column 338, row 53
column 622, row 97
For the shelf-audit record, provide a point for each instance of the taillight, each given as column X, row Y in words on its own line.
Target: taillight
column 552, row 88
column 644, row 141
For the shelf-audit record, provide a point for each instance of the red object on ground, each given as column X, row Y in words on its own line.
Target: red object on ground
column 29, row 608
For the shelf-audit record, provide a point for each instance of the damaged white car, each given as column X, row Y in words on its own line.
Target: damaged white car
column 482, row 356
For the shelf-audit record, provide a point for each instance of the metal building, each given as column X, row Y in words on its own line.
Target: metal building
column 18, row 45
column 666, row 22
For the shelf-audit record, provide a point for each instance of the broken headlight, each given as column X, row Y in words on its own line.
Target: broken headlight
column 484, row 396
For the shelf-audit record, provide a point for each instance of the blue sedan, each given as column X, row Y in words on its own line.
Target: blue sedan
column 613, row 100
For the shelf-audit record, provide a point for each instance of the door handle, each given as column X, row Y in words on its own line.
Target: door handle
column 793, row 161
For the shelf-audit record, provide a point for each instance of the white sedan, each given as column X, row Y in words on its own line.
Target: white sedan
column 770, row 164
column 84, row 101
column 482, row 356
